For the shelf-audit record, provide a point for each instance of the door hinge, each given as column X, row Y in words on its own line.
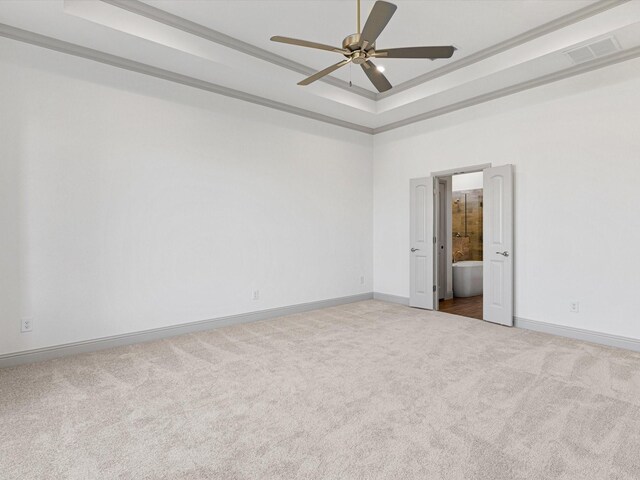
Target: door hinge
column 434, row 288
column 434, row 240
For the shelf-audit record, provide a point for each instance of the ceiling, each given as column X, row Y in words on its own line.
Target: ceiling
column 224, row 47
column 469, row 25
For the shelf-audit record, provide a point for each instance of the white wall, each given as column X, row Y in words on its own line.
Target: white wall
column 575, row 145
column 129, row 203
column 466, row 181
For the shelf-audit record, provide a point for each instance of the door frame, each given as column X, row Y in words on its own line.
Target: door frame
column 438, row 176
column 444, row 283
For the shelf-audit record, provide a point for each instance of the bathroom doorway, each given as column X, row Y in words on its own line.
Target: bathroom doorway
column 434, row 275
column 459, row 241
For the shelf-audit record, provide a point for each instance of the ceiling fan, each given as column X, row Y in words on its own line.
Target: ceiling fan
column 360, row 47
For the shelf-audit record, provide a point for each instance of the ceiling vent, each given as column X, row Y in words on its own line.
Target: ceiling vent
column 594, row 50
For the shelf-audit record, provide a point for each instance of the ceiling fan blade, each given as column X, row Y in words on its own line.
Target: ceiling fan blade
column 304, row 43
column 416, row 52
column 380, row 15
column 322, row 73
column 377, row 78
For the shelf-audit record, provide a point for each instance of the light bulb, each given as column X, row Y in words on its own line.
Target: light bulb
column 380, row 68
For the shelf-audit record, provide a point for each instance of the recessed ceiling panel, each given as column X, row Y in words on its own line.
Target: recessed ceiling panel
column 501, row 46
column 470, row 25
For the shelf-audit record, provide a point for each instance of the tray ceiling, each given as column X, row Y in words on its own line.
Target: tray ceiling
column 224, row 47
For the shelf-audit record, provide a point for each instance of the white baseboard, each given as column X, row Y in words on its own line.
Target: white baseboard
column 553, row 329
column 48, row 353
column 386, row 297
column 579, row 334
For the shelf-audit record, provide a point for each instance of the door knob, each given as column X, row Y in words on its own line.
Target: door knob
column 415, row 249
column 504, row 254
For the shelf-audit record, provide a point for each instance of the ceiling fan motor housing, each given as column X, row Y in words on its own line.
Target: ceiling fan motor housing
column 360, row 53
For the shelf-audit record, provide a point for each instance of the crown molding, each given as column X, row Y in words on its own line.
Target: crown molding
column 166, row 18
column 557, row 24
column 519, row 87
column 138, row 67
column 126, row 64
column 175, row 21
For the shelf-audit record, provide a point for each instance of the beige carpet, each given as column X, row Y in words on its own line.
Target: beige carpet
column 363, row 391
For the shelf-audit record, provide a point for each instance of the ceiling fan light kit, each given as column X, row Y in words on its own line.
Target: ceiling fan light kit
column 359, row 48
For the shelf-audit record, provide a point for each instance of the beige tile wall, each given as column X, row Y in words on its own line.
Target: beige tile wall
column 467, row 246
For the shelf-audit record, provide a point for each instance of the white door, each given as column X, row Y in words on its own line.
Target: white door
column 498, row 245
column 421, row 245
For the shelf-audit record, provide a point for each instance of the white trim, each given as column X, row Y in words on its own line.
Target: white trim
column 446, row 183
column 161, row 16
column 131, row 65
column 579, row 334
column 120, row 62
column 48, row 353
column 552, row 26
column 592, row 336
column 600, row 338
column 589, row 66
column 386, row 297
column 166, row 18
column 461, row 170
column 440, row 176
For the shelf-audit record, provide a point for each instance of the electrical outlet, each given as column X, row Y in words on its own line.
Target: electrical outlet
column 574, row 307
column 26, row 325
column 362, row 280
column 256, row 294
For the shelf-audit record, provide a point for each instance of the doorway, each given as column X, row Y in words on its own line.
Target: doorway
column 461, row 242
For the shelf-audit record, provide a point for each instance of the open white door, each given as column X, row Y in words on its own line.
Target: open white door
column 498, row 245
column 422, row 292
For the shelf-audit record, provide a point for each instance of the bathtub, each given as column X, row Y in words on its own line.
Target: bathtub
column 467, row 278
